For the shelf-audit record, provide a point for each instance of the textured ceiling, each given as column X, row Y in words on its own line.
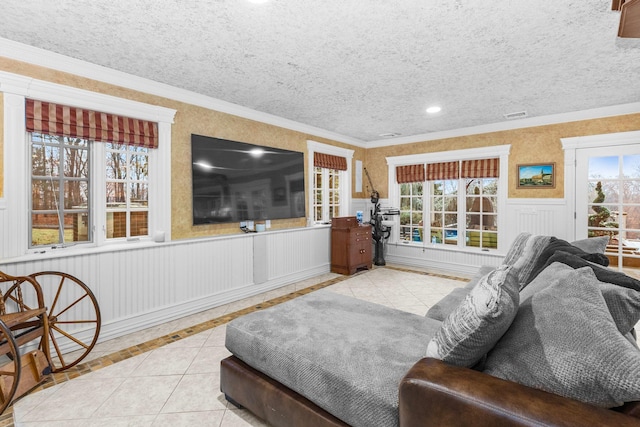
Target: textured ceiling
column 359, row 68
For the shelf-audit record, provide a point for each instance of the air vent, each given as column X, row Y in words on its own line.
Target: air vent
column 518, row 115
column 389, row 135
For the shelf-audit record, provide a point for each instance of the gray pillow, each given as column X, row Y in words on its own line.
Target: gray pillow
column 603, row 274
column 441, row 309
column 474, row 327
column 482, row 271
column 551, row 274
column 564, row 341
column 446, row 305
column 524, row 253
column 631, row 336
column 558, row 245
column 592, row 244
column 623, row 303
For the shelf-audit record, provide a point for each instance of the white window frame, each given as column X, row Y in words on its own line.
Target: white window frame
column 327, row 190
column 500, row 151
column 16, row 89
column 345, row 178
column 127, row 182
column 56, row 176
column 570, row 145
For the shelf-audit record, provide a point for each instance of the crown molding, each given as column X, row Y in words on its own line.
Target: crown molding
column 44, row 58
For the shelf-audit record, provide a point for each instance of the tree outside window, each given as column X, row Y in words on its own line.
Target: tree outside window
column 59, row 190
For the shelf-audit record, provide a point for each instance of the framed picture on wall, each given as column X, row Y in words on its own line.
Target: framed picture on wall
column 537, row 175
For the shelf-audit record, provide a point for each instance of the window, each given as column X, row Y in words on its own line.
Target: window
column 59, row 190
column 61, row 209
column 127, row 194
column 57, row 195
column 482, row 217
column 602, row 185
column 326, row 194
column 478, row 212
column 443, row 211
column 411, row 211
column 608, row 199
column 61, row 212
column 454, row 203
column 330, row 181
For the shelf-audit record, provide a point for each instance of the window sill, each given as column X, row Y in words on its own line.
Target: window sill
column 76, row 250
column 450, row 248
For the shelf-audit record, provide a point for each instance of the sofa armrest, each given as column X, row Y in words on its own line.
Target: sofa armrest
column 434, row 393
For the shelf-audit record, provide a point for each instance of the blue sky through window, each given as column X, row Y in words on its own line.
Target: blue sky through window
column 608, row 167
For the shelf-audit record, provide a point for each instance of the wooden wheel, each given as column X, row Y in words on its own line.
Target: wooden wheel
column 10, row 366
column 74, row 318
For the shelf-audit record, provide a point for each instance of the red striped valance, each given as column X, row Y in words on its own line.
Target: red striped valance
column 329, row 161
column 445, row 170
column 410, row 173
column 56, row 119
column 482, row 168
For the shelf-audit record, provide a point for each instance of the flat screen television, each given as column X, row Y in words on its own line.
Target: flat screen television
column 235, row 181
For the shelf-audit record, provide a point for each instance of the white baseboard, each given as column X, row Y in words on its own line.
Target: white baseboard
column 452, row 268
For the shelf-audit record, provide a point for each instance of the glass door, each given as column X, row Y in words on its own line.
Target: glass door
column 608, row 201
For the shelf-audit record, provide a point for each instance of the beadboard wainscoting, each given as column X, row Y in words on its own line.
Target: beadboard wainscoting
column 540, row 216
column 437, row 258
column 536, row 216
column 147, row 285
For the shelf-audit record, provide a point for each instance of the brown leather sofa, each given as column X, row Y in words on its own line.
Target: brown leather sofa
column 431, row 394
column 381, row 360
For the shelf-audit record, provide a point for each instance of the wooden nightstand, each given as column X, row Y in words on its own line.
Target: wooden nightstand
column 351, row 247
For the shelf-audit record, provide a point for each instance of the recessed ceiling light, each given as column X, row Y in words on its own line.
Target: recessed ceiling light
column 434, row 109
column 389, row 135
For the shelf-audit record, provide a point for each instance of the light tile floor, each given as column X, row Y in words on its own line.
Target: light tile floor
column 177, row 384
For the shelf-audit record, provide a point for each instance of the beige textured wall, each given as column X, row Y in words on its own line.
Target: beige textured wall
column 540, row 144
column 189, row 119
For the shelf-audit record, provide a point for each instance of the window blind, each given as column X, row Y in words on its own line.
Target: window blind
column 329, row 161
column 444, row 170
column 481, row 168
column 410, row 173
column 62, row 120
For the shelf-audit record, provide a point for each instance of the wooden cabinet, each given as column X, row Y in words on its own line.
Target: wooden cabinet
column 350, row 245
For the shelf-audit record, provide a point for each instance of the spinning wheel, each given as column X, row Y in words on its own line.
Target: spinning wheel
column 10, row 370
column 74, row 318
column 49, row 322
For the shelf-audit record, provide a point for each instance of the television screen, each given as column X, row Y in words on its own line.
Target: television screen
column 235, row 181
